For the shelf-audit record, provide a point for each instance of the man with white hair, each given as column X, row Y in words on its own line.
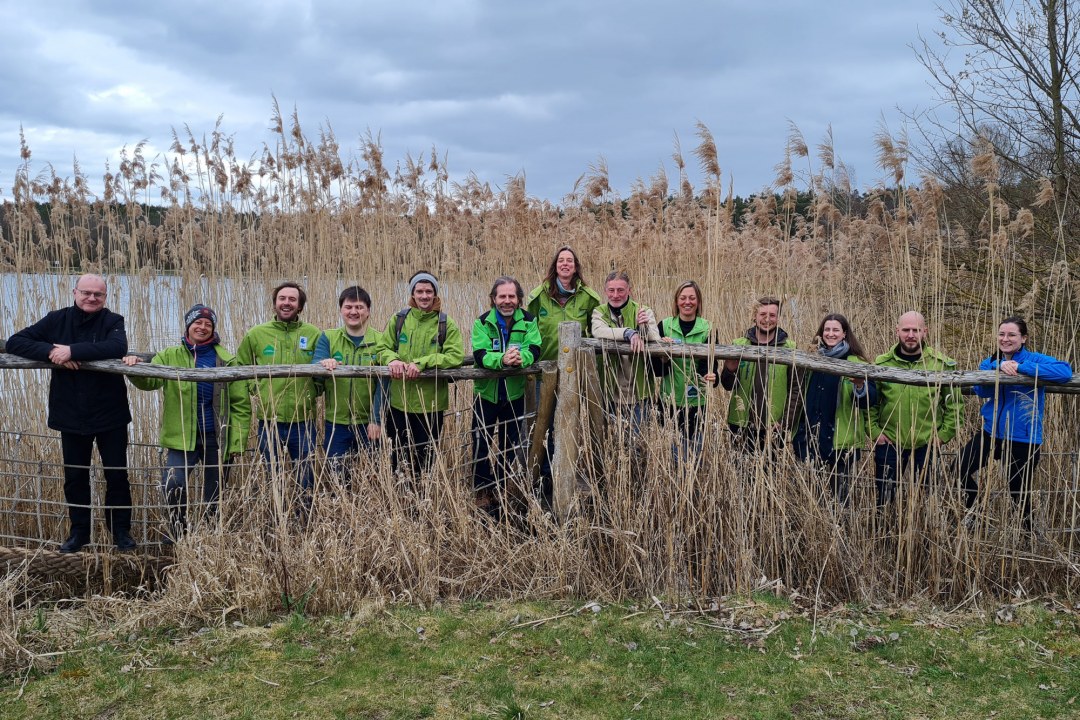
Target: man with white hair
column 87, row 408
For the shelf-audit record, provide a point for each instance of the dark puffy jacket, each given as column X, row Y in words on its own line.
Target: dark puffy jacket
column 80, row 401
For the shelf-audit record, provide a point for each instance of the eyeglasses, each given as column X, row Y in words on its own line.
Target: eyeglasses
column 91, row 294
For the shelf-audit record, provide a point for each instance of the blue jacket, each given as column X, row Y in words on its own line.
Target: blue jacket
column 1015, row 412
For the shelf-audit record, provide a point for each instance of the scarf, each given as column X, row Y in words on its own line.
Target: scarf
column 839, row 350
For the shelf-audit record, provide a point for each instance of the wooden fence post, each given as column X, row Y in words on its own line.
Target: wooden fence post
column 567, row 429
column 545, row 408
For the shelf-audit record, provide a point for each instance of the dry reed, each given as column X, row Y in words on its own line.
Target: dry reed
column 229, row 229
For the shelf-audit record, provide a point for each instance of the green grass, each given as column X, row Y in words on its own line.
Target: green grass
column 751, row 658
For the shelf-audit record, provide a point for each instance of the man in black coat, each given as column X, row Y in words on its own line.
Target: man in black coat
column 86, row 407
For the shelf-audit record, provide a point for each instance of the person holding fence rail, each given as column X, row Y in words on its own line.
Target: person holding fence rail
column 625, row 380
column 908, row 422
column 829, row 415
column 417, row 338
column 86, row 407
column 286, row 405
column 685, row 381
column 503, row 337
column 353, row 405
column 200, row 422
column 1012, row 415
column 759, row 388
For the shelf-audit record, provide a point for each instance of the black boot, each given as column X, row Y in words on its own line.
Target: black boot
column 75, row 542
column 124, row 541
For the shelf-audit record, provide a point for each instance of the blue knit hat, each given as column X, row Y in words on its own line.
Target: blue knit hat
column 198, row 312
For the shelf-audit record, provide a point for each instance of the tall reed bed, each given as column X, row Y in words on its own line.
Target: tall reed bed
column 229, row 229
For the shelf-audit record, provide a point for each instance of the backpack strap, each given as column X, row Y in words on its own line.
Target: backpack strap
column 399, row 322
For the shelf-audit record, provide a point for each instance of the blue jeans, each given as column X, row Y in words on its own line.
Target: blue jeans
column 630, row 417
column 298, row 440
column 889, row 463
column 178, row 466
column 341, row 440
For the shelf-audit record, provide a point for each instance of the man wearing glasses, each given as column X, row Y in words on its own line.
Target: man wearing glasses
column 86, row 407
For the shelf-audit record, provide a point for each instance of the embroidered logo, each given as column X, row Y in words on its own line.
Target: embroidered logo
column 268, row 351
column 303, row 343
column 403, row 339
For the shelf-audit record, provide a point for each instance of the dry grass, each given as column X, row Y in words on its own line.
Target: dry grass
column 232, row 228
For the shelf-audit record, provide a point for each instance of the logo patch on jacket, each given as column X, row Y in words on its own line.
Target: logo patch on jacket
column 338, row 356
column 496, row 344
column 402, row 339
column 303, row 342
column 268, row 351
column 543, row 312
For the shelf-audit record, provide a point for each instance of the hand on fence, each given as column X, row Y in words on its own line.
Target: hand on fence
column 61, row 355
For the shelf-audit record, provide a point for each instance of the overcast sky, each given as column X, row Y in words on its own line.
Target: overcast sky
column 501, row 87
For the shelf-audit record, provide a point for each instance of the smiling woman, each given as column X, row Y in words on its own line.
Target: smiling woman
column 1012, row 415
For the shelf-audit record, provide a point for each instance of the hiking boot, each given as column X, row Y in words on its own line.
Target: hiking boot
column 124, row 541
column 74, row 543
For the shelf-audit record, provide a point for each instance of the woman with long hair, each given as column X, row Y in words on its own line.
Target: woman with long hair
column 563, row 296
column 685, row 380
column 1012, row 415
column 829, row 414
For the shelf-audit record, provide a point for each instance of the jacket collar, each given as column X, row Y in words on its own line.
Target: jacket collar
column 778, row 339
column 927, row 352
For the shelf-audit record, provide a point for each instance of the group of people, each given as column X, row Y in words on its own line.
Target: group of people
column 829, row 418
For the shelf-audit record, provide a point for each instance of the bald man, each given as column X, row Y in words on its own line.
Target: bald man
column 87, row 408
column 909, row 420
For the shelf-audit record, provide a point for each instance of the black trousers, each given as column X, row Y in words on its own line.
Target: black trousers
column 77, row 450
column 414, row 437
column 499, row 425
column 890, row 463
column 1022, row 459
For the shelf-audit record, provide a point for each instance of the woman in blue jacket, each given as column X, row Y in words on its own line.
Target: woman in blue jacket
column 1012, row 415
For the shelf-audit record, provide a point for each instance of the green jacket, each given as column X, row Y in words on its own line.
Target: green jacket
column 909, row 415
column 625, row 379
column 852, row 421
column 288, row 399
column 674, row 386
column 550, row 313
column 488, row 351
column 179, row 413
column 742, row 388
column 348, row 401
column 418, row 343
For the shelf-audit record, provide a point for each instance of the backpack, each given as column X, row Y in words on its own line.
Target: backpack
column 399, row 322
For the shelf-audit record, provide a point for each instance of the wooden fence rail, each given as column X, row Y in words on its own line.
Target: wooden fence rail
column 780, row 356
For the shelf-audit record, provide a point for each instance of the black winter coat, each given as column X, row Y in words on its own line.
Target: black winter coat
column 80, row 401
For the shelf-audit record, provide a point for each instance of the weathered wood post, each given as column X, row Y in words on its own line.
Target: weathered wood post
column 547, row 380
column 567, row 429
